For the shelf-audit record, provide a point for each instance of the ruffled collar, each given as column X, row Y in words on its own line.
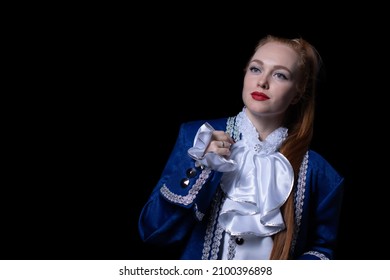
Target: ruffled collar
column 251, row 137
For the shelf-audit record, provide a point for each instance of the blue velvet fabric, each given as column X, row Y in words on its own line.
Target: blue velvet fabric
column 166, row 221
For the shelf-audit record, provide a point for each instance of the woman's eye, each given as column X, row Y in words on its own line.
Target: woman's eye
column 254, row 69
column 281, row 76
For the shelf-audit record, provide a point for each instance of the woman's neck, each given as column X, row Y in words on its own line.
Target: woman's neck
column 264, row 125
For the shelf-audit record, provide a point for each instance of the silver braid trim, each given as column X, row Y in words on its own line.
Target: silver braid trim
column 231, row 248
column 189, row 198
column 208, row 239
column 317, row 254
column 299, row 198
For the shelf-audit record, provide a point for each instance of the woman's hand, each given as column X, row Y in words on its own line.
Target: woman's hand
column 220, row 143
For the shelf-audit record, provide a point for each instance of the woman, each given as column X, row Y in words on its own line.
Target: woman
column 248, row 186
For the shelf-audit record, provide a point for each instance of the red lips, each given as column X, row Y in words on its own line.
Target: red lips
column 259, row 96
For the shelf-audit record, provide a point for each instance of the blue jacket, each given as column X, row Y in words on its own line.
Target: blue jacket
column 183, row 203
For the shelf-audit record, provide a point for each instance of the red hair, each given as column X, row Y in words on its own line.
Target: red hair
column 299, row 121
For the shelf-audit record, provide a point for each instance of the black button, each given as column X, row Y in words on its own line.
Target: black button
column 191, row 172
column 185, row 182
column 239, row 240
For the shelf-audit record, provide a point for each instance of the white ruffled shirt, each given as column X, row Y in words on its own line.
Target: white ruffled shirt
column 257, row 180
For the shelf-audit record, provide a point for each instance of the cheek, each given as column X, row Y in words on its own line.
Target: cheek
column 249, row 83
column 288, row 97
column 246, row 90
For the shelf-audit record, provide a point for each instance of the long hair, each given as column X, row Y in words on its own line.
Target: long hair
column 299, row 121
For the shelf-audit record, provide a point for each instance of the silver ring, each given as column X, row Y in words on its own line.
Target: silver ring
column 223, row 144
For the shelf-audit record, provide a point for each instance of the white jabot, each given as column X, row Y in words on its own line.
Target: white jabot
column 259, row 185
column 255, row 192
column 257, row 181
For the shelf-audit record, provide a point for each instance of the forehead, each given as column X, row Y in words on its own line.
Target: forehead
column 275, row 53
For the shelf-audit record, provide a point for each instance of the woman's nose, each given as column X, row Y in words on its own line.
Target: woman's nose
column 262, row 82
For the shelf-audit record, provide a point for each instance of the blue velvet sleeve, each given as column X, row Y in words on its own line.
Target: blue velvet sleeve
column 182, row 195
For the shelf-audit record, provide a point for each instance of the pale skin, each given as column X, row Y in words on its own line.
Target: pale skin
column 272, row 74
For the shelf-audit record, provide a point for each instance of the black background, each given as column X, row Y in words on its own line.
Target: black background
column 103, row 93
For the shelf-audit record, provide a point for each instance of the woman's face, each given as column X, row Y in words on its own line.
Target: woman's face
column 270, row 82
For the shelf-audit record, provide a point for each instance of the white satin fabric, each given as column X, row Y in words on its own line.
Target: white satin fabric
column 201, row 141
column 257, row 181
